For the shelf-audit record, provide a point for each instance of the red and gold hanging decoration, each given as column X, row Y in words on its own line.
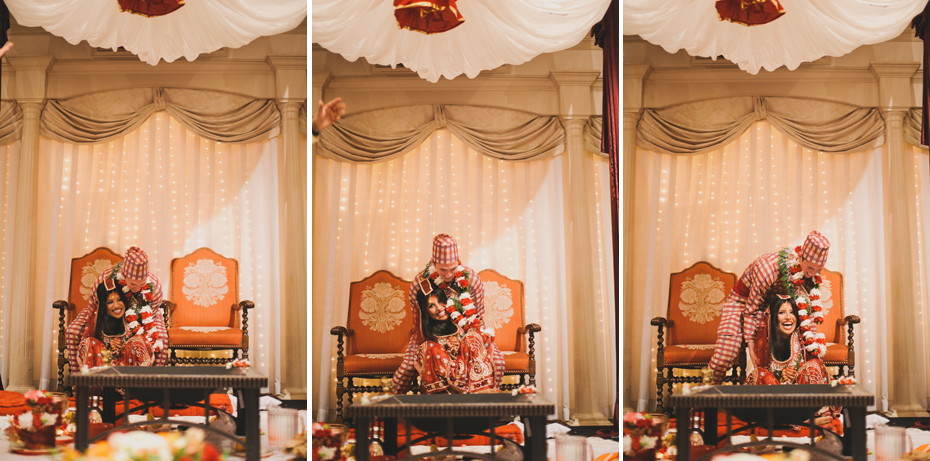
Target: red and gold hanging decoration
column 427, row 16
column 749, row 12
column 149, row 8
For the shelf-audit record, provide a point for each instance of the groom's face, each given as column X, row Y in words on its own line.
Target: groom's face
column 446, row 271
column 810, row 269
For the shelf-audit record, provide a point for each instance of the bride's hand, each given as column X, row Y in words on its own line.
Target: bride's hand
column 454, row 343
column 789, row 374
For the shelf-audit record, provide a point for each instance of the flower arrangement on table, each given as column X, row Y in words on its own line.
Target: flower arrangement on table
column 238, row 363
column 35, row 428
column 147, row 446
column 643, row 435
column 327, row 443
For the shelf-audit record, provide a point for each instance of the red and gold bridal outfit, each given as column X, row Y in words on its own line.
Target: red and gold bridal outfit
column 468, row 368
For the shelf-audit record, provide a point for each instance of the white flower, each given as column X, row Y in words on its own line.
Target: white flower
column 139, row 445
column 25, row 420
column 515, row 392
column 47, row 419
column 146, row 309
column 126, row 289
column 465, row 295
column 326, row 452
column 648, row 442
column 627, row 443
column 815, row 292
column 806, row 323
column 821, row 336
column 133, row 325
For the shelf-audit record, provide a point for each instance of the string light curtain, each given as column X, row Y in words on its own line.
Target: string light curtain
column 919, row 207
column 506, row 216
column 9, row 166
column 751, row 196
column 170, row 191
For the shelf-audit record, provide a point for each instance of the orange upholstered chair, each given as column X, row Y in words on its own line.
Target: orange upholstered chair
column 204, row 308
column 504, row 312
column 695, row 300
column 84, row 272
column 378, row 328
column 840, row 350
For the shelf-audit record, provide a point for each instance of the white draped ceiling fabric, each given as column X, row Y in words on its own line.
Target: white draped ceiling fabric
column 809, row 30
column 200, row 26
column 494, row 33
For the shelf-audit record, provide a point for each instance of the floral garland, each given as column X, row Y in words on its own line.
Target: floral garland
column 460, row 306
column 810, row 309
column 139, row 316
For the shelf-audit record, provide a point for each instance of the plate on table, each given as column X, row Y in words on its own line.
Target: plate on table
column 264, row 454
column 31, row 452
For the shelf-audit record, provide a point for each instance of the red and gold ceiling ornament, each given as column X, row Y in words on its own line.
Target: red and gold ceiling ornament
column 749, row 12
column 427, row 16
column 149, row 8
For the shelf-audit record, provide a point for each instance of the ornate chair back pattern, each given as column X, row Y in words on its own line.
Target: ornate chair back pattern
column 504, row 310
column 204, row 286
column 378, row 315
column 695, row 301
column 84, row 272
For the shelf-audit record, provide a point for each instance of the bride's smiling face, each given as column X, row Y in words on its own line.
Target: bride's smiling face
column 115, row 306
column 787, row 322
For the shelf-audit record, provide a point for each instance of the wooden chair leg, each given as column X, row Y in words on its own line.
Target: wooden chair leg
column 660, row 381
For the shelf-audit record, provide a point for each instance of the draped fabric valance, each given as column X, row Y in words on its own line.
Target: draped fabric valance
column 11, row 122
column 912, row 127
column 593, row 130
column 383, row 134
column 218, row 116
column 702, row 126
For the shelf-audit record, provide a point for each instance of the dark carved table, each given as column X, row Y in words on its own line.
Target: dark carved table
column 785, row 404
column 456, row 413
column 167, row 385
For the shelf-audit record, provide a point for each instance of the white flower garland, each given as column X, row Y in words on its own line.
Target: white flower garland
column 460, row 305
column 810, row 308
column 140, row 316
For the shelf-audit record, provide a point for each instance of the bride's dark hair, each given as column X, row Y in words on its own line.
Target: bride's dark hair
column 106, row 324
column 780, row 345
column 430, row 327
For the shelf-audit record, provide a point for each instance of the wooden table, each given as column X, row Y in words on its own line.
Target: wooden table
column 166, row 385
column 445, row 411
column 783, row 404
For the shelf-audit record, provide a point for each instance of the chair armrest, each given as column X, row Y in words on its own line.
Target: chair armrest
column 246, row 304
column 529, row 328
column 60, row 305
column 339, row 331
column 662, row 321
column 852, row 319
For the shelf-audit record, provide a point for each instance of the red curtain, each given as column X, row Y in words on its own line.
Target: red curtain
column 150, row 8
column 749, row 12
column 921, row 28
column 427, row 16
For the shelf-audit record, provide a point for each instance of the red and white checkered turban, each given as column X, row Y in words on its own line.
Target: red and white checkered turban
column 815, row 248
column 445, row 250
column 135, row 264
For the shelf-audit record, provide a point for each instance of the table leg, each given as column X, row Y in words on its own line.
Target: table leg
column 82, row 418
column 535, row 432
column 683, row 432
column 390, row 436
column 109, row 405
column 362, row 441
column 856, row 434
column 253, row 440
column 710, row 427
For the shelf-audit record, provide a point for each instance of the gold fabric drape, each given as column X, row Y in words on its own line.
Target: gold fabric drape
column 384, row 134
column 703, row 126
column 102, row 117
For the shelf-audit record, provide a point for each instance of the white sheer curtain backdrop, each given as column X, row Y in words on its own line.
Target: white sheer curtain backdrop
column 169, row 191
column 601, row 230
column 9, row 165
column 920, row 206
column 508, row 216
column 751, row 197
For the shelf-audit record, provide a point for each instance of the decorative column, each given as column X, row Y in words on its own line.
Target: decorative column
column 322, row 356
column 894, row 84
column 634, row 78
column 575, row 106
column 30, row 92
column 291, row 91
